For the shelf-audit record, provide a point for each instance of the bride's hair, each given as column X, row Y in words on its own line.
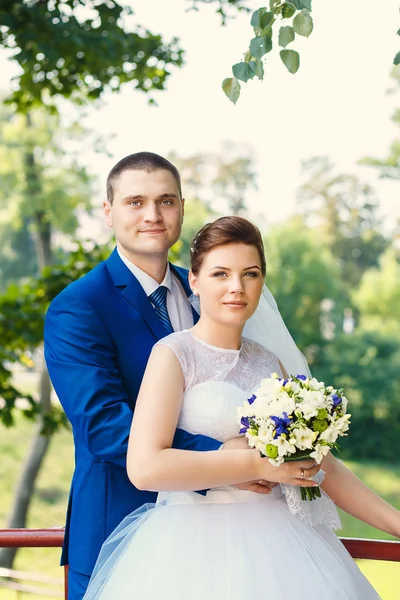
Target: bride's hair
column 223, row 231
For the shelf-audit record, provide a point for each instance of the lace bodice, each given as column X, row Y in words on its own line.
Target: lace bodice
column 217, row 381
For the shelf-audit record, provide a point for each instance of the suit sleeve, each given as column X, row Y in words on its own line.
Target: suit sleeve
column 200, row 443
column 80, row 358
column 81, row 363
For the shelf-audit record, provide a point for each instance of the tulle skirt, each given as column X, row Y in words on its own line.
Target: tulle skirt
column 227, row 545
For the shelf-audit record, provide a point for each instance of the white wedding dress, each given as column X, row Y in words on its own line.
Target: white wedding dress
column 230, row 544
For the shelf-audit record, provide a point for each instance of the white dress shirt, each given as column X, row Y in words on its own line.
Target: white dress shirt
column 178, row 305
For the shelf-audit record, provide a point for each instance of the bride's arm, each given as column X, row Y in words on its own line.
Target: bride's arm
column 354, row 497
column 153, row 465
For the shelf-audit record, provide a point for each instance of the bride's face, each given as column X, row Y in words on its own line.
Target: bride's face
column 229, row 283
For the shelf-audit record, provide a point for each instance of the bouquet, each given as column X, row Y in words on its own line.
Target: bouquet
column 293, row 419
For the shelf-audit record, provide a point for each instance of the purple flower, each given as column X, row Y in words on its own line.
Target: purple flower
column 245, row 421
column 281, row 424
column 336, row 400
column 251, row 400
column 302, row 377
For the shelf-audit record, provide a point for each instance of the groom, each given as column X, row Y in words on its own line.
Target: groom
column 99, row 333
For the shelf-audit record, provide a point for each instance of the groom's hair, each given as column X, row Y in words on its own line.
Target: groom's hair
column 141, row 161
column 223, row 231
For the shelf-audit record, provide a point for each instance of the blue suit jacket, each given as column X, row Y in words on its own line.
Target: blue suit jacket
column 99, row 333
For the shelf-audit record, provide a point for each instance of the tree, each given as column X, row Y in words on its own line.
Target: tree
column 77, row 49
column 305, row 280
column 367, row 365
column 345, row 210
column 45, row 188
column 378, row 296
column 220, row 181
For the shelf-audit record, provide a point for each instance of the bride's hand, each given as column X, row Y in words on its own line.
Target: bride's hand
column 261, row 486
column 296, row 472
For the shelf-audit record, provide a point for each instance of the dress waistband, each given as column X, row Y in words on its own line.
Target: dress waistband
column 229, row 496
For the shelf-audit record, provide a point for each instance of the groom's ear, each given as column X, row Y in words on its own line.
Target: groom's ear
column 183, row 208
column 107, row 213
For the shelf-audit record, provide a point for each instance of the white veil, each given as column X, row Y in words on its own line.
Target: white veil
column 268, row 328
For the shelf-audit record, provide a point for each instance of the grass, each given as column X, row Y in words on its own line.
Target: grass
column 50, row 500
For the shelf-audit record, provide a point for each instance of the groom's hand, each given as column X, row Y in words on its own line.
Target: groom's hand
column 262, row 486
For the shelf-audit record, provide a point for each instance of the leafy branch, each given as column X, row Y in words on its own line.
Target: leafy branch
column 297, row 21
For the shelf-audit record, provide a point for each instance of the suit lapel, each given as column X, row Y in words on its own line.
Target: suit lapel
column 133, row 292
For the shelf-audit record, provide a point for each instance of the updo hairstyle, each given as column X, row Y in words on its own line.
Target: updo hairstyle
column 223, row 231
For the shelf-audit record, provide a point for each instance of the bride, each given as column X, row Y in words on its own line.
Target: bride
column 228, row 543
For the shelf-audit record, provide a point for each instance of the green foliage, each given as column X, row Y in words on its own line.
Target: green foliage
column 367, row 365
column 77, row 49
column 345, row 210
column 231, row 87
column 303, row 23
column 22, row 310
column 302, row 274
column 291, row 60
column 378, row 296
column 264, row 23
column 44, row 186
column 286, row 36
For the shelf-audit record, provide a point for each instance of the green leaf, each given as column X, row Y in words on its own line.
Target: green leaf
column 291, row 60
column 261, row 18
column 303, row 23
column 300, row 4
column 259, row 69
column 244, row 70
column 286, row 35
column 396, row 60
column 231, row 87
column 287, row 11
column 260, row 45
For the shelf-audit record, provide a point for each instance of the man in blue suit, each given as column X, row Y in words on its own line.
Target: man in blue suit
column 99, row 333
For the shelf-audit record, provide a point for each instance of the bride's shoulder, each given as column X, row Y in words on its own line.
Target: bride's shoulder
column 255, row 349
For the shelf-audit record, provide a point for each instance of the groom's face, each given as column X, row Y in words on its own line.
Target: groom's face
column 146, row 214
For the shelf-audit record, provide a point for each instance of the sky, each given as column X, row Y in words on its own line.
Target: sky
column 336, row 105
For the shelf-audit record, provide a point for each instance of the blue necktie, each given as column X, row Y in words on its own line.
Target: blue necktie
column 159, row 300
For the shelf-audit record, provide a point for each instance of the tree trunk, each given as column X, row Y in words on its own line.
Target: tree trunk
column 40, row 443
column 30, row 470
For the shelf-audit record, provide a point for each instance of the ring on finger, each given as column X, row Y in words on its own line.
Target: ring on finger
column 301, row 473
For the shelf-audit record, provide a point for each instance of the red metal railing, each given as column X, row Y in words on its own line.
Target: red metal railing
column 53, row 538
